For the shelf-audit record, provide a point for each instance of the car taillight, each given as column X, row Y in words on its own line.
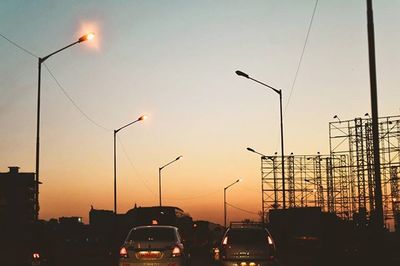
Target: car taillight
column 225, row 241
column 123, row 253
column 216, row 254
column 36, row 255
column 270, row 242
column 176, row 252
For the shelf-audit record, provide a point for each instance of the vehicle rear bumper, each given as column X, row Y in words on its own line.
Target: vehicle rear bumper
column 247, row 262
column 152, row 263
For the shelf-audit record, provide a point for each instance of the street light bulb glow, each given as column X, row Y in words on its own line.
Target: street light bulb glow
column 90, row 36
column 240, row 180
column 143, row 117
column 87, row 37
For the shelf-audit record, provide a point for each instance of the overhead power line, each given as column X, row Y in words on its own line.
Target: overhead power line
column 145, row 182
column 57, row 82
column 240, row 209
column 134, row 168
column 302, row 54
column 73, row 102
column 19, row 46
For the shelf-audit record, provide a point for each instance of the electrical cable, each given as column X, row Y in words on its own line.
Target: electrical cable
column 240, row 209
column 57, row 82
column 302, row 54
column 19, row 46
column 134, row 168
column 73, row 102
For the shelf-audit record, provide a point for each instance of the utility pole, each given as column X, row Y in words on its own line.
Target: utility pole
column 378, row 215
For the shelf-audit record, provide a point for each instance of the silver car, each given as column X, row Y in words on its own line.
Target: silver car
column 246, row 245
column 154, row 245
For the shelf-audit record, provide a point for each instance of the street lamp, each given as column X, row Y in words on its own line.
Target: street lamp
column 336, row 117
column 279, row 92
column 237, row 181
column 41, row 60
column 256, row 152
column 141, row 118
column 275, row 205
column 159, row 175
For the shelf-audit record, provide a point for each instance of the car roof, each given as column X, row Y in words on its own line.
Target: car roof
column 247, row 229
column 154, row 226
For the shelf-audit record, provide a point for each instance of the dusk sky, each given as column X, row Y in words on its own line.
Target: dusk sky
column 175, row 61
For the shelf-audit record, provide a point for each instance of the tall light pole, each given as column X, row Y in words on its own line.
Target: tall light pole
column 159, row 175
column 378, row 218
column 143, row 117
column 225, row 188
column 41, row 60
column 279, row 92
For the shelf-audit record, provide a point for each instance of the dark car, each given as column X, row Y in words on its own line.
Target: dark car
column 153, row 245
column 246, row 245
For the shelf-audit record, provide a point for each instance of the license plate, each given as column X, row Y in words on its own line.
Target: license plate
column 149, row 255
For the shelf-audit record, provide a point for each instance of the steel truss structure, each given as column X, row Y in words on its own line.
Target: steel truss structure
column 343, row 181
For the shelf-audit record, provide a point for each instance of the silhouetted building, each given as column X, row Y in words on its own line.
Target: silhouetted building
column 70, row 221
column 100, row 218
column 17, row 197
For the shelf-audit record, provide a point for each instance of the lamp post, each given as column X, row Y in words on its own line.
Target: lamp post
column 237, row 181
column 336, row 117
column 272, row 158
column 279, row 92
column 275, row 206
column 141, row 118
column 159, row 175
column 41, row 60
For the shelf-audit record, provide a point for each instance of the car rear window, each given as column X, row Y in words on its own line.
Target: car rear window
column 153, row 234
column 247, row 236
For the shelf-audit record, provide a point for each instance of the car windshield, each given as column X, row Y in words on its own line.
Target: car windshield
column 152, row 234
column 247, row 236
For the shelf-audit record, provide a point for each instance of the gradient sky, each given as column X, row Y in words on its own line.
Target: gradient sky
column 175, row 62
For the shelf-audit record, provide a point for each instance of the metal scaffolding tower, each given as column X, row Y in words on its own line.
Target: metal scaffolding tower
column 343, row 181
column 306, row 178
column 353, row 138
column 395, row 186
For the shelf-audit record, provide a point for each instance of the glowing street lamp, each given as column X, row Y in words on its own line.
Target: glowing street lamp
column 141, row 118
column 159, row 175
column 86, row 37
column 237, row 181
